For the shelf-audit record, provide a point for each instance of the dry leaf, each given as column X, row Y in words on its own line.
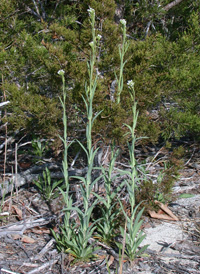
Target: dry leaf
column 41, row 230
column 24, row 165
column 55, row 229
column 16, row 236
column 111, row 260
column 101, row 257
column 155, row 215
column 28, row 240
column 166, row 210
column 17, row 211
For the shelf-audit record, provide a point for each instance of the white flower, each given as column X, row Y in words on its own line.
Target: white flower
column 123, row 22
column 99, row 37
column 91, row 44
column 61, row 72
column 91, row 11
column 130, row 84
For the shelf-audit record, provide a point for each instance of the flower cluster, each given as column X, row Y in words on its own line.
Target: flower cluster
column 99, row 37
column 123, row 22
column 61, row 72
column 91, row 12
column 91, row 44
column 130, row 84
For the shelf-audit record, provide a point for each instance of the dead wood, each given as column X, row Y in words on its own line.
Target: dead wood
column 44, row 250
column 20, row 227
column 33, row 174
column 172, row 4
column 43, row 266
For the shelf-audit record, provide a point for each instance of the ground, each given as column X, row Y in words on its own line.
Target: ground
column 27, row 245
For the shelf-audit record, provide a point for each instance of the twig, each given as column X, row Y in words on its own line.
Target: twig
column 29, row 10
column 75, row 158
column 43, row 251
column 154, row 157
column 11, row 190
column 20, row 227
column 7, row 141
column 16, row 184
column 44, row 15
column 36, row 7
column 172, row 4
column 43, row 266
column 6, row 133
column 190, row 158
column 7, row 271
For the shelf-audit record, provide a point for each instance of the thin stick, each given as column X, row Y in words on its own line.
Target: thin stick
column 8, row 271
column 6, row 133
column 5, row 152
column 16, row 182
column 43, row 266
column 11, row 193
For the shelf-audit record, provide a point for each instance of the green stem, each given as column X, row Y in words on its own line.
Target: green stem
column 90, row 95
column 65, row 162
column 132, row 154
column 122, row 51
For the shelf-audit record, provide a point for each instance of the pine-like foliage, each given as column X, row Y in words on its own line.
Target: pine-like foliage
column 38, row 38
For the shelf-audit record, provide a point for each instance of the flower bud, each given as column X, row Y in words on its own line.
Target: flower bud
column 61, row 72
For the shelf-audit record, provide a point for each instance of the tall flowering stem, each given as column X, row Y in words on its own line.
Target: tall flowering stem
column 75, row 236
column 90, row 92
column 66, row 197
column 85, row 230
column 131, row 146
column 134, row 235
column 61, row 72
column 64, row 138
column 122, row 51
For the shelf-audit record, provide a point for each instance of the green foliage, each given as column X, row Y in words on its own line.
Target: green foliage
column 39, row 149
column 147, row 17
column 48, row 189
column 161, row 188
column 185, row 195
column 163, row 59
column 77, row 244
column 67, row 233
column 164, row 65
column 74, row 239
column 122, row 51
column 33, row 112
column 134, row 236
column 64, row 241
column 109, row 221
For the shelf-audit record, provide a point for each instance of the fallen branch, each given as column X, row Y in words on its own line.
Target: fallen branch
column 43, row 266
column 7, row 271
column 172, row 4
column 43, row 251
column 33, row 174
column 20, row 227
